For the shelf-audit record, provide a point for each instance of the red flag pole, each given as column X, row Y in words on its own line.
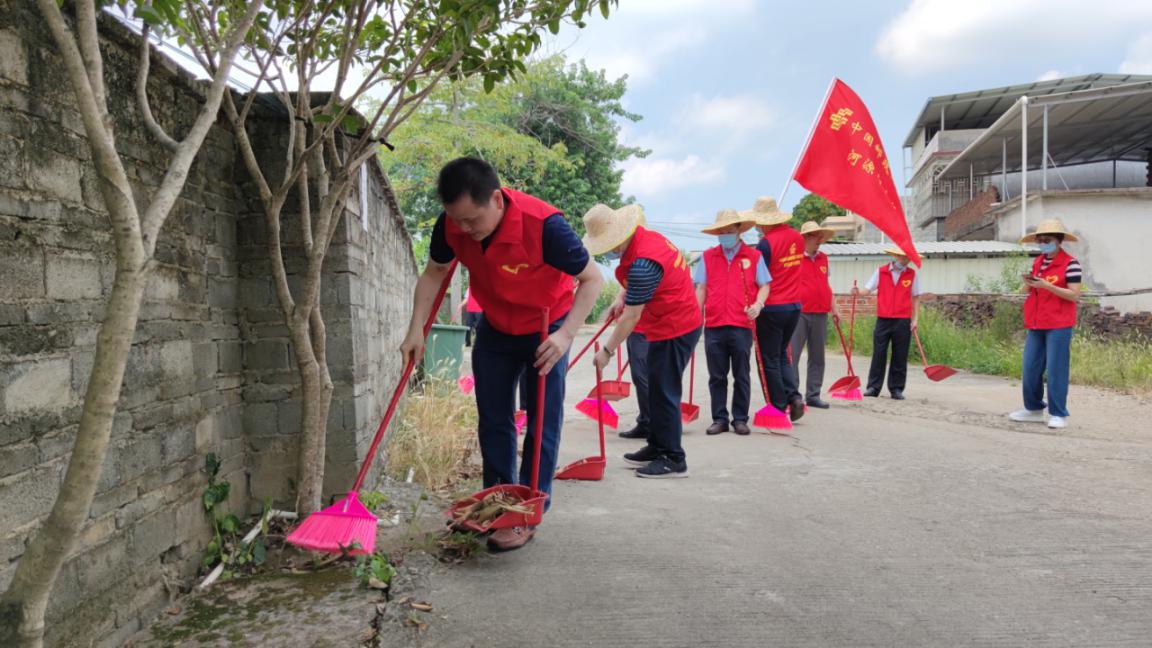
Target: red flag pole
column 807, row 141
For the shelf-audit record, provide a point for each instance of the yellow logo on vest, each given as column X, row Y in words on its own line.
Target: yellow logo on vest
column 906, row 282
column 514, row 269
column 745, row 263
column 824, row 269
column 792, row 249
column 1052, row 279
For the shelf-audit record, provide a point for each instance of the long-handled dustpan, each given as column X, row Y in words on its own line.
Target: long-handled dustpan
column 614, row 390
column 934, row 372
column 847, row 387
column 348, row 526
column 590, row 468
column 521, row 505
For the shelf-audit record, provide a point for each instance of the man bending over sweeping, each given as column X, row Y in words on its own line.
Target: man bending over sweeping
column 521, row 256
column 659, row 297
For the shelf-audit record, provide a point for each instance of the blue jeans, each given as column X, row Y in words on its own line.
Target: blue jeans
column 498, row 361
column 638, row 356
column 1047, row 350
column 729, row 347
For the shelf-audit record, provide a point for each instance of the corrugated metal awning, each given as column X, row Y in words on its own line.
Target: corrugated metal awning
column 929, row 248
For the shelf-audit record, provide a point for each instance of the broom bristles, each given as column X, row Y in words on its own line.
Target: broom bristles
column 772, row 419
column 346, row 526
column 589, row 406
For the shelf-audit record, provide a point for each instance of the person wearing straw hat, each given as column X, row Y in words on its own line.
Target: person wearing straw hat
column 1053, row 288
column 659, row 297
column 782, row 248
column 731, row 286
column 815, row 304
column 522, row 257
column 897, row 309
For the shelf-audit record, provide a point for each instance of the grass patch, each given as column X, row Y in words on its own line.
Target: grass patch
column 997, row 348
column 436, row 436
column 603, row 301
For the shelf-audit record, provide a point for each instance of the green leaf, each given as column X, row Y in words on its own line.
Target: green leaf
column 259, row 552
column 148, row 15
column 230, row 524
column 604, row 8
column 211, row 464
column 323, row 118
column 209, row 499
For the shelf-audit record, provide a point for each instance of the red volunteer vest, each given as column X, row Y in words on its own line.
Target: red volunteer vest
column 1042, row 309
column 730, row 287
column 894, row 300
column 787, row 250
column 511, row 279
column 673, row 310
column 471, row 305
column 815, row 292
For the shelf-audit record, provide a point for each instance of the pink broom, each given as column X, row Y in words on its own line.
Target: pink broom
column 347, row 526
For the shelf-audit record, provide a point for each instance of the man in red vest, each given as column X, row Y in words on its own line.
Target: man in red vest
column 782, row 248
column 658, row 297
column 521, row 256
column 731, row 286
column 897, row 308
column 815, row 305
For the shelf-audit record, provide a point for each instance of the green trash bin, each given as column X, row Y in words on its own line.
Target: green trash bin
column 444, row 351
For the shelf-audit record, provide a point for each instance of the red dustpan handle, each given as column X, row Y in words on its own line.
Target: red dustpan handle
column 403, row 382
column 923, row 358
column 852, row 323
column 573, row 361
column 540, row 383
column 600, row 407
column 844, row 346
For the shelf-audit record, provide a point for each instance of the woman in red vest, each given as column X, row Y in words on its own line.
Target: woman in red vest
column 472, row 312
column 782, row 248
column 658, row 297
column 815, row 305
column 731, row 286
column 897, row 309
column 521, row 257
column 1053, row 288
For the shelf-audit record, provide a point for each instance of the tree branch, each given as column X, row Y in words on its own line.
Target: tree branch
column 142, row 93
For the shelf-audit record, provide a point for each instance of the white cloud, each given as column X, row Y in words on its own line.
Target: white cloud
column 1139, row 59
column 937, row 35
column 640, row 61
column 738, row 115
column 651, row 177
column 1050, row 75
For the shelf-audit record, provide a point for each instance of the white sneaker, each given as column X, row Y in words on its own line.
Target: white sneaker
column 1027, row 416
column 1057, row 423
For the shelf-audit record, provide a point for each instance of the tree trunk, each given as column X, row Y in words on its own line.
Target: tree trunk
column 23, row 606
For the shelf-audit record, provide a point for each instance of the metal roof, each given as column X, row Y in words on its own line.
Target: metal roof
column 927, row 248
column 981, row 108
column 1100, row 124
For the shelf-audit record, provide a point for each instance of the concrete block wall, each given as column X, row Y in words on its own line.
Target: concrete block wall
column 210, row 369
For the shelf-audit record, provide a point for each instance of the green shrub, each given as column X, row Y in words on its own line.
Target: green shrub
column 603, row 301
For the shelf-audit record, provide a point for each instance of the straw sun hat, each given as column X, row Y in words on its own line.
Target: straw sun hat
column 727, row 217
column 1049, row 226
column 825, row 234
column 766, row 213
column 606, row 228
column 894, row 251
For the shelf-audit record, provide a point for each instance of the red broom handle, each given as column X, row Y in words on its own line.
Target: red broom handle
column 600, row 406
column 852, row 322
column 619, row 365
column 620, row 376
column 608, row 321
column 540, row 383
column 403, row 382
column 755, row 339
column 844, row 346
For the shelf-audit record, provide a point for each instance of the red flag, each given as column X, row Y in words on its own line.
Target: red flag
column 845, row 163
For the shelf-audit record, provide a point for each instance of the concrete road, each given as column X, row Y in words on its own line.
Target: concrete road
column 928, row 522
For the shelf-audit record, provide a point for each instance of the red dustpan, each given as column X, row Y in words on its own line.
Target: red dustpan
column 590, row 468
column 688, row 411
column 614, row 390
column 934, row 372
column 844, row 387
column 347, row 526
column 529, row 497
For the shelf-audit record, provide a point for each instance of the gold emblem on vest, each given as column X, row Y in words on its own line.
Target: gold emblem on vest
column 514, row 269
column 906, row 282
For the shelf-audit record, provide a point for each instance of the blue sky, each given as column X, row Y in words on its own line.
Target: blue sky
column 728, row 88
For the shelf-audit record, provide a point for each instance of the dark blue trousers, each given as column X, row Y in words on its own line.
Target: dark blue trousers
column 774, row 329
column 498, row 361
column 666, row 362
column 729, row 347
column 638, row 359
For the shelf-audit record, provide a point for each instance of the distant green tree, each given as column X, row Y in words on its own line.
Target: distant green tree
column 814, row 208
column 553, row 133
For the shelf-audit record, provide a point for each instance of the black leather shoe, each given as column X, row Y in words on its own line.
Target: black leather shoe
column 796, row 408
column 741, row 428
column 818, row 404
column 717, row 428
column 872, row 393
column 898, row 395
column 636, row 432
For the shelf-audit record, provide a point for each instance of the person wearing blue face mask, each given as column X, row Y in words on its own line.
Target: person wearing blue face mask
column 897, row 309
column 731, row 286
column 1053, row 288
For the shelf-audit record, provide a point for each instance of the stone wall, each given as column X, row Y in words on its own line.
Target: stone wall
column 210, row 369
